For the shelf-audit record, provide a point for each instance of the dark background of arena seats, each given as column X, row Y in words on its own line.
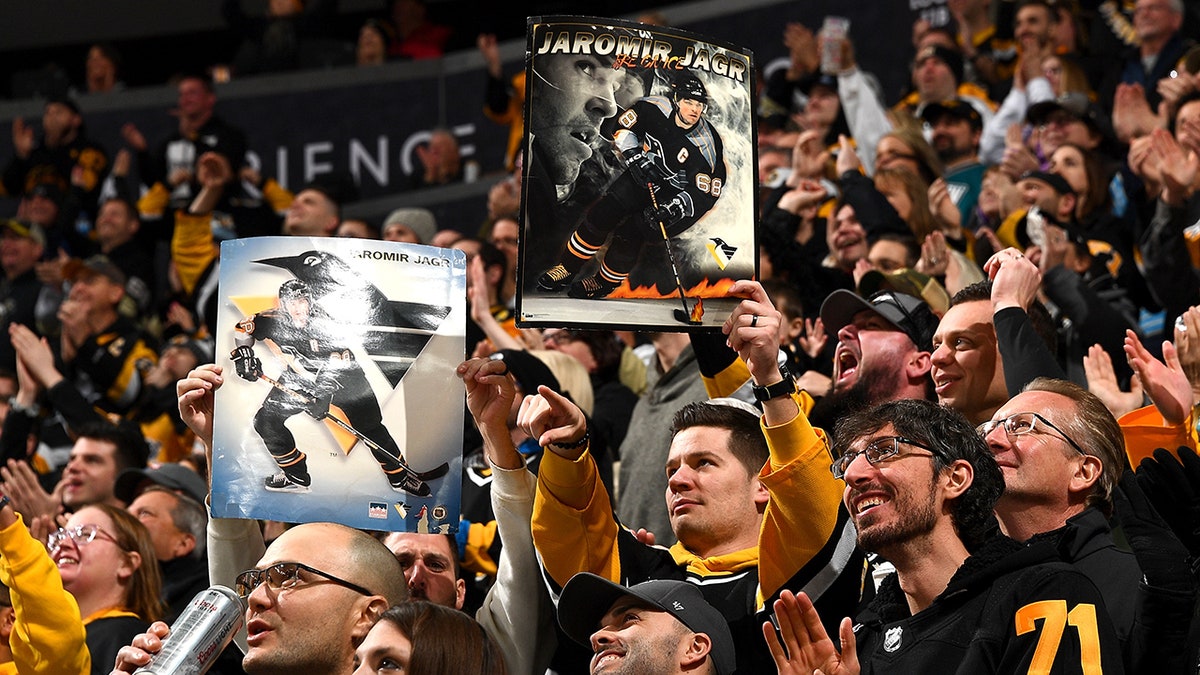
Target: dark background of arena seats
column 302, row 124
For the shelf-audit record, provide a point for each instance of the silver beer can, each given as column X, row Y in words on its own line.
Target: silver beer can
column 198, row 636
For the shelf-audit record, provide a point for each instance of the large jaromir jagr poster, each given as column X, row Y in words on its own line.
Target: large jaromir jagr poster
column 638, row 198
column 339, row 400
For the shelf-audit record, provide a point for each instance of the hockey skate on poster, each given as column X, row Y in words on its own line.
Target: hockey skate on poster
column 638, row 202
column 339, row 400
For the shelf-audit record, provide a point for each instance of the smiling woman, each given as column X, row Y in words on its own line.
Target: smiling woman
column 105, row 558
column 33, row 595
column 421, row 637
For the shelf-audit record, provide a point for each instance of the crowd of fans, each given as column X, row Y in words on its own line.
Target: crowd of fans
column 952, row 423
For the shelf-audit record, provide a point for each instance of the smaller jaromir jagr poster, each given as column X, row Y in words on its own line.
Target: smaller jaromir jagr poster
column 639, row 186
column 339, row 400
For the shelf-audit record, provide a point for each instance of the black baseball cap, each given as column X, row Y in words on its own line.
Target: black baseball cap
column 1055, row 181
column 821, row 80
column 48, row 190
column 97, row 265
column 176, row 477
column 25, row 230
column 1076, row 105
column 955, row 107
column 201, row 349
column 952, row 58
column 908, row 314
column 587, row 598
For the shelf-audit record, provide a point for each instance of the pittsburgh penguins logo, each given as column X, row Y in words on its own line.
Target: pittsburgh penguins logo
column 720, row 251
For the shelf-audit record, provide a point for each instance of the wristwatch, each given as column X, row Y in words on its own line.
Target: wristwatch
column 784, row 387
column 29, row 411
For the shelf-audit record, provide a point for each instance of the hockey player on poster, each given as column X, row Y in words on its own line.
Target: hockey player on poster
column 320, row 372
column 674, row 174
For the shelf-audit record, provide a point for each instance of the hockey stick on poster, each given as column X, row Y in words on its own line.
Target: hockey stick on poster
column 684, row 315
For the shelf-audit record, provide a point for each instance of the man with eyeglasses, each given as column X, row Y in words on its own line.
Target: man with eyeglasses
column 1061, row 453
column 920, row 485
column 310, row 600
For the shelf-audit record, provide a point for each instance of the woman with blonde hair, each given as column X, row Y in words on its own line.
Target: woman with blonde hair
column 909, row 196
column 1065, row 77
column 905, row 148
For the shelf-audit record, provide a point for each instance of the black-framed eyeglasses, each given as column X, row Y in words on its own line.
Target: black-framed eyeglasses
column 285, row 575
column 1019, row 424
column 80, row 534
column 876, row 451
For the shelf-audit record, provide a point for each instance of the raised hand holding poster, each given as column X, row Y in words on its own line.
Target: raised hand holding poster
column 638, row 204
column 340, row 401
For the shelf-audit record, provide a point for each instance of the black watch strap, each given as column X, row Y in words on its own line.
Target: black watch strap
column 784, row 387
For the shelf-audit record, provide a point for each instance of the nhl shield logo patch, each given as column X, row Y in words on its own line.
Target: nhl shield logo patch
column 892, row 639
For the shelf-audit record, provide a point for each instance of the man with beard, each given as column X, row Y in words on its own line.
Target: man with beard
column 882, row 352
column 654, row 628
column 957, row 128
column 920, row 486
